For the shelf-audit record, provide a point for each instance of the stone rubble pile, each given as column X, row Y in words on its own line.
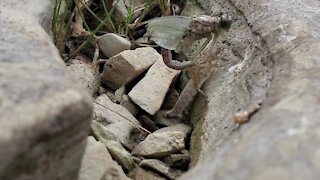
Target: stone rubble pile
column 135, row 86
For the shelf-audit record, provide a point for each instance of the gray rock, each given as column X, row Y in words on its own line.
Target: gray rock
column 120, row 92
column 112, row 44
column 44, row 115
column 128, row 65
column 117, row 151
column 151, row 90
column 163, row 142
column 281, row 140
column 97, row 163
column 158, row 166
column 85, row 75
column 179, row 161
column 117, row 120
column 143, row 174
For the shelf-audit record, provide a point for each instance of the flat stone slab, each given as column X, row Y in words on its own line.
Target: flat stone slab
column 45, row 115
column 151, row 90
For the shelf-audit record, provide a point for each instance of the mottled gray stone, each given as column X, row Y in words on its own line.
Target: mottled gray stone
column 163, row 142
column 98, row 164
column 151, row 90
column 44, row 114
column 281, row 140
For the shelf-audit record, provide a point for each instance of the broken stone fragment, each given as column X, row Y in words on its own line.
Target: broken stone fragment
column 158, row 166
column 143, row 174
column 163, row 142
column 97, row 163
column 147, row 123
column 118, row 152
column 124, row 67
column 151, row 90
column 112, row 44
column 85, row 75
column 117, row 120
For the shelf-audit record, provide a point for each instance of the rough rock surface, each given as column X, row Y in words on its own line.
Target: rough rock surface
column 143, row 174
column 163, row 142
column 85, row 75
column 112, row 44
column 115, row 122
column 97, row 163
column 151, row 90
column 280, row 141
column 124, row 67
column 118, row 152
column 44, row 114
column 179, row 161
column 158, row 166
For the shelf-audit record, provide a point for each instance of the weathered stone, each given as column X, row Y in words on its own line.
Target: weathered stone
column 118, row 152
column 117, row 120
column 161, row 119
column 179, row 161
column 112, row 44
column 44, row 114
column 143, row 174
column 126, row 66
column 150, row 92
column 85, row 75
column 128, row 104
column 158, row 166
column 97, row 163
column 281, row 140
column 163, row 142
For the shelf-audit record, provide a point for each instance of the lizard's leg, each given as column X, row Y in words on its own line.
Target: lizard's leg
column 167, row 59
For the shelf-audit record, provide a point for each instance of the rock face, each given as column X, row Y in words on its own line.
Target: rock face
column 44, row 114
column 151, row 90
column 280, row 141
column 98, row 164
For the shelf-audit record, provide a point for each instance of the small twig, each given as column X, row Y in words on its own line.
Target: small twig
column 132, row 123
